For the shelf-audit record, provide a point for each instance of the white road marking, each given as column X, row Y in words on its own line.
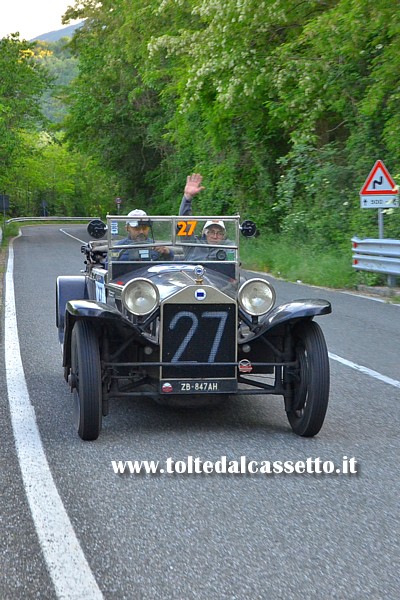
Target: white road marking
column 373, row 298
column 365, row 370
column 72, row 236
column 66, row 562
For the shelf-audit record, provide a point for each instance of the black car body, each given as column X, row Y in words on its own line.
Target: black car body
column 185, row 332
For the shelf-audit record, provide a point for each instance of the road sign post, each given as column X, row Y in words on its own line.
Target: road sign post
column 379, row 191
column 118, row 202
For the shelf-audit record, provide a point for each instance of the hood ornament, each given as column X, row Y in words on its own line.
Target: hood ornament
column 199, row 272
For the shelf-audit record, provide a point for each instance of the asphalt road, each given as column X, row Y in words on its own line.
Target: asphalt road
column 216, row 536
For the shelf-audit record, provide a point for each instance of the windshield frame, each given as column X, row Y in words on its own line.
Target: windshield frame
column 175, row 243
column 177, row 225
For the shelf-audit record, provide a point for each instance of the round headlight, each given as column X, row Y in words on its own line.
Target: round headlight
column 256, row 297
column 140, row 296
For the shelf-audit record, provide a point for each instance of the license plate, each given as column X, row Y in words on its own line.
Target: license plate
column 198, row 387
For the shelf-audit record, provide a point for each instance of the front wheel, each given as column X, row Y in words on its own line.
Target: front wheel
column 86, row 375
column 311, row 380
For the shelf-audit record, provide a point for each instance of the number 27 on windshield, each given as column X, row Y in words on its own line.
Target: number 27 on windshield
column 186, row 227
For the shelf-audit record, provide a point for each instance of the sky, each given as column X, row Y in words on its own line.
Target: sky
column 31, row 17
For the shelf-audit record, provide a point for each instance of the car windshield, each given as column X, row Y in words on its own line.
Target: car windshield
column 188, row 239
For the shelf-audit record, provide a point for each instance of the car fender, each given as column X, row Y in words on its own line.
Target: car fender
column 68, row 288
column 101, row 315
column 290, row 312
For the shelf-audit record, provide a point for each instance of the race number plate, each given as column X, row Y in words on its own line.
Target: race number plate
column 198, row 341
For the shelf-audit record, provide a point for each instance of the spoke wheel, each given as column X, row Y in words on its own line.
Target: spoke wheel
column 86, row 373
column 311, row 383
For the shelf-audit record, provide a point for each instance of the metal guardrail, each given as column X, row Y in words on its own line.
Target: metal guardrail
column 377, row 256
column 21, row 219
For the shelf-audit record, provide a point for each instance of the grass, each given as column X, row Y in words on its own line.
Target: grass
column 282, row 258
column 9, row 230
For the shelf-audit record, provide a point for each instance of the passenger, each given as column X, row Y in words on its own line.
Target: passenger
column 138, row 228
column 214, row 232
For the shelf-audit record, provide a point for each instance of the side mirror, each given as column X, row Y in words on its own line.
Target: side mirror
column 248, row 229
column 97, row 229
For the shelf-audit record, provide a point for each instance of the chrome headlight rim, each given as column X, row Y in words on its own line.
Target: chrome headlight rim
column 128, row 288
column 242, row 289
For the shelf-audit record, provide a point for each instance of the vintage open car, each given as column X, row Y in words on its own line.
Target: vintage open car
column 191, row 330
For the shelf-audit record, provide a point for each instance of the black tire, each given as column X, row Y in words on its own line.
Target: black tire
column 86, row 374
column 311, row 383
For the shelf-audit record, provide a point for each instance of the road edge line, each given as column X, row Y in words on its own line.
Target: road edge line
column 66, row 563
column 365, row 370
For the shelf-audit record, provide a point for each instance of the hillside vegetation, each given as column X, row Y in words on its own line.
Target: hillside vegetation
column 282, row 105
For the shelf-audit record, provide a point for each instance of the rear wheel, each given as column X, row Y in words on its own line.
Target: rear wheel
column 311, row 380
column 86, row 378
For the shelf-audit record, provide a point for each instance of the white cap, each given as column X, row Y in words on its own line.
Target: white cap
column 216, row 223
column 136, row 216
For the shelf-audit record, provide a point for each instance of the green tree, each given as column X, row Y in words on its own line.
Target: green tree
column 66, row 181
column 112, row 115
column 22, row 83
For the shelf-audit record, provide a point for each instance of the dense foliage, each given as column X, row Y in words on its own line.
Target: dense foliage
column 282, row 105
column 22, row 83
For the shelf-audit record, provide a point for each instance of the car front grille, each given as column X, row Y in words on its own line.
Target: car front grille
column 202, row 335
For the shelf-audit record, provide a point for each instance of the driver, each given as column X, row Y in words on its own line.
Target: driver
column 138, row 227
column 214, row 232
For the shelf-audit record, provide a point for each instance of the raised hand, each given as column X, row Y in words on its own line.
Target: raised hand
column 193, row 185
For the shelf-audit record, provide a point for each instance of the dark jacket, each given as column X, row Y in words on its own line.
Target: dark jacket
column 142, row 253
